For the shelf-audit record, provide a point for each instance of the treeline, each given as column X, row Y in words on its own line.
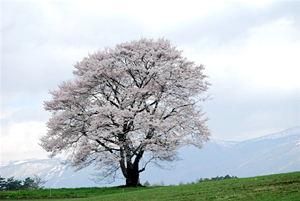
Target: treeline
column 216, row 178
column 27, row 184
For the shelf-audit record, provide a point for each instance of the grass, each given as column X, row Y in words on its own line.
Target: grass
column 64, row 193
column 272, row 187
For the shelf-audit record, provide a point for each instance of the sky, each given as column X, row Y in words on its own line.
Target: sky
column 250, row 50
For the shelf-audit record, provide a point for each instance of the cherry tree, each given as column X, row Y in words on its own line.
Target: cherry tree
column 128, row 106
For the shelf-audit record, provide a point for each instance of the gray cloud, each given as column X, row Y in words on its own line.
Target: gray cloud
column 38, row 52
column 239, row 115
column 28, row 25
column 40, row 45
column 232, row 23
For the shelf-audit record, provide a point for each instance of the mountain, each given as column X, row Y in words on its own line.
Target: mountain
column 275, row 153
column 53, row 171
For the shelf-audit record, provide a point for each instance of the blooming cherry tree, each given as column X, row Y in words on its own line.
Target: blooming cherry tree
column 128, row 106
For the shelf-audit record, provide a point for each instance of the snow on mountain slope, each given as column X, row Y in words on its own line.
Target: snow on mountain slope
column 286, row 133
column 275, row 153
column 53, row 171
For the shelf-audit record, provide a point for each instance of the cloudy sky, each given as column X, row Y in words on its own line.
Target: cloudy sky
column 250, row 49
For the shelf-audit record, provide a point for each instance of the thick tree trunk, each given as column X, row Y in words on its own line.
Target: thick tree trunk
column 132, row 179
column 131, row 170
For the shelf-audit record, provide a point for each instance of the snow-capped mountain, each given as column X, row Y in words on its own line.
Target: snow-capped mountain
column 53, row 171
column 275, row 153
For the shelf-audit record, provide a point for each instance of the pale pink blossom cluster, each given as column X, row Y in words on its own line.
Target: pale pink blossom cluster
column 141, row 97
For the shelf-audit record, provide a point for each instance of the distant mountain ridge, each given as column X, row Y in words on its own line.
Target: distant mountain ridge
column 290, row 132
column 270, row 154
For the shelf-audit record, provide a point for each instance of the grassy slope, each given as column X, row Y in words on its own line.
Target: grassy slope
column 272, row 187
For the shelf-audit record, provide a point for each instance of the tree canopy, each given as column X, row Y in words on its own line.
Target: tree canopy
column 128, row 106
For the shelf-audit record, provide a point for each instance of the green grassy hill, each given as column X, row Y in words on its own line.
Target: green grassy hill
column 272, row 187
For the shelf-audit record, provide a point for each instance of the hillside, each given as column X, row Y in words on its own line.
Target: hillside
column 272, row 187
column 271, row 154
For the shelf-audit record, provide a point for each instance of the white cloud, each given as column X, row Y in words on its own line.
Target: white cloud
column 272, row 56
column 21, row 140
column 268, row 57
column 250, row 49
column 156, row 13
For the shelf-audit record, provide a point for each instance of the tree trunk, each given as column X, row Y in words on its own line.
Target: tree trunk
column 133, row 176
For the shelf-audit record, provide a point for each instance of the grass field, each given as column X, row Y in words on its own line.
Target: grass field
column 272, row 187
